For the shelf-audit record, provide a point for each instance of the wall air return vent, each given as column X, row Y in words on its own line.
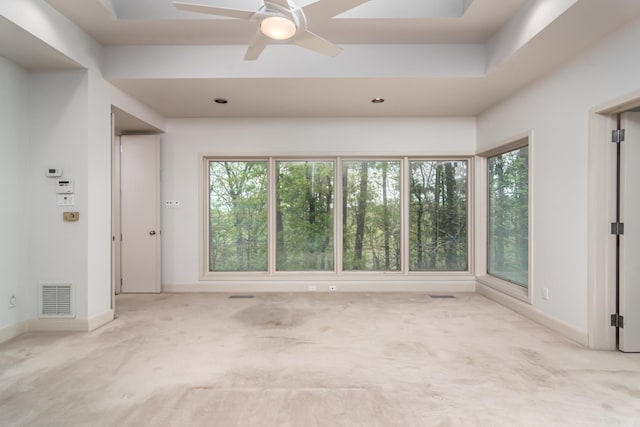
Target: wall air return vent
column 56, row 300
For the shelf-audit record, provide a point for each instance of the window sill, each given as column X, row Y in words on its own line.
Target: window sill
column 508, row 288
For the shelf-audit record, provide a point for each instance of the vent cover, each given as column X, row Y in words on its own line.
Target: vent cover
column 442, row 296
column 56, row 300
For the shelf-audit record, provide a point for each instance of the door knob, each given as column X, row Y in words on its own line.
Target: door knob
column 152, row 233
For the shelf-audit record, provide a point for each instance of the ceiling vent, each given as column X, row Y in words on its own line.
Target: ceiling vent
column 56, row 300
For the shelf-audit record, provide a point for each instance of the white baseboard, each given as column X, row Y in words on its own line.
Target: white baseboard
column 303, row 286
column 57, row 325
column 568, row 331
column 100, row 319
column 76, row 325
column 13, row 331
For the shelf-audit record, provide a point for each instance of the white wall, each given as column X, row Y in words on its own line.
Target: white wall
column 13, row 214
column 47, row 24
column 98, row 215
column 68, row 116
column 53, row 119
column 58, row 112
column 187, row 139
column 556, row 110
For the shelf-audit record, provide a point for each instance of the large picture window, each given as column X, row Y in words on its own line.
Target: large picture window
column 508, row 216
column 340, row 215
column 237, row 216
column 438, row 215
column 304, row 215
column 371, row 215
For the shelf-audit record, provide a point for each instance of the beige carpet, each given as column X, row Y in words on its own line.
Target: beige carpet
column 314, row 360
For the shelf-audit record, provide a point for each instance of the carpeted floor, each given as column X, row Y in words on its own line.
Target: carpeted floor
column 326, row 359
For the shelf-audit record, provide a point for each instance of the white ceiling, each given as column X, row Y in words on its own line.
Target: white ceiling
column 425, row 57
column 157, row 22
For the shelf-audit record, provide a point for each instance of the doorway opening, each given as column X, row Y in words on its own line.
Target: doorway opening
column 614, row 233
column 124, row 124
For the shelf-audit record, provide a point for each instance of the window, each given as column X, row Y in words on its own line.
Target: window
column 508, row 216
column 371, row 215
column 438, row 215
column 237, row 216
column 336, row 215
column 304, row 215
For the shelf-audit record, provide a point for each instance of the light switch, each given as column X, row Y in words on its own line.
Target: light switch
column 66, row 200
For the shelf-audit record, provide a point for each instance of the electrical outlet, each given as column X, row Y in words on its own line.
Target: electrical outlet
column 545, row 293
column 13, row 301
column 333, row 288
column 172, row 204
column 312, row 288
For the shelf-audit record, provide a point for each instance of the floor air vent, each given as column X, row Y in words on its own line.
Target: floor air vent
column 240, row 296
column 442, row 296
column 56, row 300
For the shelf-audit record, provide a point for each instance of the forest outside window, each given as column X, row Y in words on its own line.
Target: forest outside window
column 304, row 215
column 508, row 216
column 337, row 215
column 438, row 215
column 237, row 216
column 371, row 215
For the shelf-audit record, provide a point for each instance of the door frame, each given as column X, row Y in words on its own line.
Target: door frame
column 116, row 230
column 601, row 213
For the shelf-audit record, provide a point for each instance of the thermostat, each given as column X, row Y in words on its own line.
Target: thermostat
column 64, row 186
column 53, row 172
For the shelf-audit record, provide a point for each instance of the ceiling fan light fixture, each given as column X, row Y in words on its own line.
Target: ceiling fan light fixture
column 278, row 28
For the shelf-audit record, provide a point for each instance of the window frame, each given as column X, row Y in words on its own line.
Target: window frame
column 246, row 277
column 523, row 293
column 402, row 201
column 205, row 223
column 470, row 210
column 273, row 208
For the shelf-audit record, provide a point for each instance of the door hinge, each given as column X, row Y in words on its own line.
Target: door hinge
column 617, row 321
column 617, row 228
column 617, row 136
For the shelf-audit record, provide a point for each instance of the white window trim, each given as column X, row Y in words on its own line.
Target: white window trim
column 337, row 273
column 481, row 215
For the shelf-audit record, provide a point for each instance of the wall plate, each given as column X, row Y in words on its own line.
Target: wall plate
column 66, row 200
column 53, row 172
column 71, row 216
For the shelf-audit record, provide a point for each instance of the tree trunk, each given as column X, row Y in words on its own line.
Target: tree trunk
column 435, row 243
column 385, row 218
column 450, row 217
column 281, row 249
column 360, row 216
column 327, row 235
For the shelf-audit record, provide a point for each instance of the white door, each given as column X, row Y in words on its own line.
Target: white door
column 630, row 240
column 140, row 213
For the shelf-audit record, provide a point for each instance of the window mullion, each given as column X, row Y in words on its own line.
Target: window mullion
column 338, row 213
column 404, row 215
column 271, row 209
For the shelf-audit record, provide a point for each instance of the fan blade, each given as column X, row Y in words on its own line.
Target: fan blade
column 212, row 10
column 257, row 45
column 316, row 43
column 283, row 3
column 325, row 9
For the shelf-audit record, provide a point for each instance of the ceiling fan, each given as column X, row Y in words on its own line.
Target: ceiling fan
column 282, row 20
